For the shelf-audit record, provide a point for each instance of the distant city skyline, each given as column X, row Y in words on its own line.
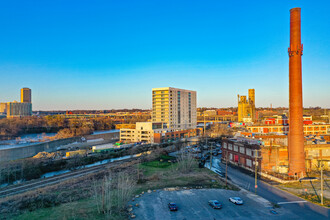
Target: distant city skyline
column 74, row 55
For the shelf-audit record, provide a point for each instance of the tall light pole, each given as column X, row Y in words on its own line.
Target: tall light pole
column 204, row 122
column 211, row 157
column 255, row 173
column 226, row 164
column 256, row 170
column 321, row 182
column 206, row 140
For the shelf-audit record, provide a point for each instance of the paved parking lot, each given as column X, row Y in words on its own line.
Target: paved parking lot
column 193, row 204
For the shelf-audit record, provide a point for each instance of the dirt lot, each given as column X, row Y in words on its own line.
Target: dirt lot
column 193, row 204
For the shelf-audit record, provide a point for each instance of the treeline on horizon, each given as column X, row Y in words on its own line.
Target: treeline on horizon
column 41, row 112
column 88, row 111
column 64, row 127
column 234, row 109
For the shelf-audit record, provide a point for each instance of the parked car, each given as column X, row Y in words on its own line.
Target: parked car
column 172, row 206
column 236, row 200
column 307, row 179
column 220, row 173
column 215, row 204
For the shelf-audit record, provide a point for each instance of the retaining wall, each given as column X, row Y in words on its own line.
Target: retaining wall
column 33, row 149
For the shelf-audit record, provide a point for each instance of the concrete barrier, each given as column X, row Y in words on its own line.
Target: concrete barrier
column 33, row 149
column 51, row 146
column 105, row 136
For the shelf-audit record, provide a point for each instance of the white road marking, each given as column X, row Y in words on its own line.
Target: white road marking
column 279, row 203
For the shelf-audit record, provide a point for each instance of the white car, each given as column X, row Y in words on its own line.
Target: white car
column 236, row 200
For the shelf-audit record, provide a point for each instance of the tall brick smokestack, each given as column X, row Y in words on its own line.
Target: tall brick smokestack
column 296, row 132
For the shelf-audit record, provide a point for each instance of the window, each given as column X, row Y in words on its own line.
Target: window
column 235, row 148
column 255, row 153
column 230, row 146
column 242, row 150
column 248, row 163
column 225, row 145
column 248, row 152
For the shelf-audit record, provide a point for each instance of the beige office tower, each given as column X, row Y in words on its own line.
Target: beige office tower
column 26, row 95
column 175, row 108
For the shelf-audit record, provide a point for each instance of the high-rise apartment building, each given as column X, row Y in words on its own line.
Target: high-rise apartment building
column 175, row 108
column 246, row 107
column 174, row 116
column 18, row 109
column 26, row 95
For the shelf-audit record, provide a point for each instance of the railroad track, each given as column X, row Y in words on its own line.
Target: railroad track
column 59, row 178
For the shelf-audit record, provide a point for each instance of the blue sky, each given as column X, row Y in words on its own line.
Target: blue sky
column 110, row 54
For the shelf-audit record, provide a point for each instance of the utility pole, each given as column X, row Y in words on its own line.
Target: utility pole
column 206, row 139
column 321, row 182
column 204, row 130
column 211, row 158
column 276, row 159
column 204, row 122
column 226, row 165
column 256, row 171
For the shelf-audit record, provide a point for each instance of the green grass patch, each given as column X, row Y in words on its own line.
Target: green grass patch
column 82, row 209
column 158, row 176
column 157, row 164
column 166, row 157
column 162, row 162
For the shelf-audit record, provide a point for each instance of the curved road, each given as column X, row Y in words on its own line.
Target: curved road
column 296, row 205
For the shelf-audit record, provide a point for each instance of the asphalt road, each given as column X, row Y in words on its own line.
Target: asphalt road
column 193, row 204
column 296, row 206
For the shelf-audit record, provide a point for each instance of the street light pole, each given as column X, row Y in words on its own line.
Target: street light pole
column 255, row 171
column 321, row 182
column 206, row 141
column 204, row 123
column 226, row 164
column 255, row 174
column 211, row 158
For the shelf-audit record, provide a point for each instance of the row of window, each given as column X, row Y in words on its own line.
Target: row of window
column 236, row 159
column 236, row 148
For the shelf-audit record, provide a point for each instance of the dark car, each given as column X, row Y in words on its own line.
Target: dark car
column 172, row 206
column 220, row 173
column 215, row 204
column 307, row 179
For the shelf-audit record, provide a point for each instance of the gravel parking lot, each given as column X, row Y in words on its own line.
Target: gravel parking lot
column 193, row 204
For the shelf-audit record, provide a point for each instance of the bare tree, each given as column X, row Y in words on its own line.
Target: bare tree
column 186, row 162
column 113, row 193
column 103, row 195
column 125, row 188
